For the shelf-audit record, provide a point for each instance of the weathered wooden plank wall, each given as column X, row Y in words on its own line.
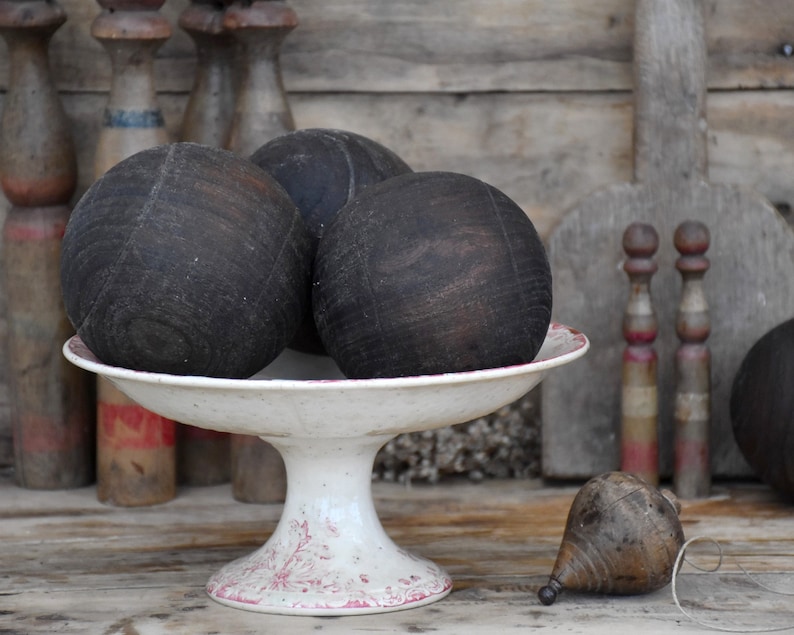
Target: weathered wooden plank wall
column 530, row 95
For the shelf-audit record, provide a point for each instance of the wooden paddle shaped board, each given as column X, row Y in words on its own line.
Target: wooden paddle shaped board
column 749, row 286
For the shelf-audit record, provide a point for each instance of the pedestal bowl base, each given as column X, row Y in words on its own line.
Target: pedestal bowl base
column 296, row 578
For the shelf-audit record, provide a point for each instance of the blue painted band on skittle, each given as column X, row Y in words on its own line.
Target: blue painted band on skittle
column 133, row 118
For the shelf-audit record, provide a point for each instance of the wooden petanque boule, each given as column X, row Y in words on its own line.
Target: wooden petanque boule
column 186, row 259
column 427, row 273
column 322, row 170
column 762, row 408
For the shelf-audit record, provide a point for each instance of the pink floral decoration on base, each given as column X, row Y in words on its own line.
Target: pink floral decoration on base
column 301, row 568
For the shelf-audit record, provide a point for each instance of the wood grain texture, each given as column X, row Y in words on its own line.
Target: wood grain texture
column 750, row 284
column 72, row 565
column 639, row 398
column 459, row 46
column 546, row 151
column 745, row 306
column 529, row 95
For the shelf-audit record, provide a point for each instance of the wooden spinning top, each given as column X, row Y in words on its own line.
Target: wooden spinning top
column 622, row 537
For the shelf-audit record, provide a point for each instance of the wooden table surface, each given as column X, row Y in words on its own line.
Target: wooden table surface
column 69, row 564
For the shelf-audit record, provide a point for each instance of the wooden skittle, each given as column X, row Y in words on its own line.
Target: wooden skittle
column 136, row 456
column 51, row 414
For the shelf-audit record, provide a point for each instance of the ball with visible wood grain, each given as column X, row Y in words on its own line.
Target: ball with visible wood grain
column 131, row 5
column 762, row 408
column 431, row 272
column 188, row 260
column 322, row 169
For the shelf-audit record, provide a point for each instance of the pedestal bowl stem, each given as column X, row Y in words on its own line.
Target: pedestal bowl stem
column 329, row 553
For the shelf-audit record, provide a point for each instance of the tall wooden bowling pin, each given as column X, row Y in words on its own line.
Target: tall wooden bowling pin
column 692, row 472
column 136, row 456
column 52, row 417
column 261, row 107
column 261, row 112
column 131, row 31
column 639, row 403
column 204, row 456
column 210, row 106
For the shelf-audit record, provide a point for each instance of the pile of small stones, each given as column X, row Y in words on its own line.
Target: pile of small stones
column 505, row 444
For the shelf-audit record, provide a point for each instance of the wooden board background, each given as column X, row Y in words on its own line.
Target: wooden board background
column 529, row 95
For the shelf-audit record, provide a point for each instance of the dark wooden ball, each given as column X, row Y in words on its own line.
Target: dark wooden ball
column 762, row 408
column 131, row 5
column 186, row 259
column 323, row 169
column 431, row 272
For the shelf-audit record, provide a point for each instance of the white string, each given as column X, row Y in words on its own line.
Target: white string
column 761, row 584
column 676, row 568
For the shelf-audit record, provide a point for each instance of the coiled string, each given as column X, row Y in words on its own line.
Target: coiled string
column 676, row 568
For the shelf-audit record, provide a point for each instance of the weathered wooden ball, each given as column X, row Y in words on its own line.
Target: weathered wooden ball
column 131, row 5
column 431, row 272
column 186, row 259
column 762, row 408
column 322, row 169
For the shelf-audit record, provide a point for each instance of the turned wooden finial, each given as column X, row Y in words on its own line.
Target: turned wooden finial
column 262, row 110
column 38, row 165
column 131, row 31
column 639, row 403
column 210, row 107
column 692, row 476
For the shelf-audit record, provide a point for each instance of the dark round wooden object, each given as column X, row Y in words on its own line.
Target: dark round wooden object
column 431, row 272
column 322, row 170
column 131, row 5
column 762, row 408
column 186, row 259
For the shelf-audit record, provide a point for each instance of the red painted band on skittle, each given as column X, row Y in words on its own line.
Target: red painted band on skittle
column 639, row 457
column 132, row 427
column 39, row 434
column 691, row 456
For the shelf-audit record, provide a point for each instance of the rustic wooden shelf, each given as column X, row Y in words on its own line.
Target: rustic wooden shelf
column 73, row 565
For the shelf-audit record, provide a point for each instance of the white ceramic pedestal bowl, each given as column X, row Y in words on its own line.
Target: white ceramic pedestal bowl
column 329, row 554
